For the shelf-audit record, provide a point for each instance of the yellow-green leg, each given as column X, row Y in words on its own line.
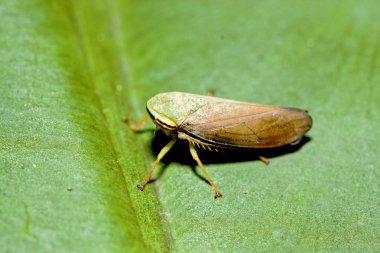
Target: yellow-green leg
column 194, row 154
column 162, row 153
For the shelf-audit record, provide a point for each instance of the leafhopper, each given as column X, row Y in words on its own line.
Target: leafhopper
column 215, row 123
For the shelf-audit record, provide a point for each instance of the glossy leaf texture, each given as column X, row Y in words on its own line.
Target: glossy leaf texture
column 69, row 166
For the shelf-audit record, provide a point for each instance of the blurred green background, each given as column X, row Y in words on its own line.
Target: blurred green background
column 70, row 70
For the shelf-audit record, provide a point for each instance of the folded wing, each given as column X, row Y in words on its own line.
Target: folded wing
column 247, row 125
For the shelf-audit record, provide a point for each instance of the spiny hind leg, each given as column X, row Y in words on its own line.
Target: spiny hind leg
column 194, row 154
column 263, row 159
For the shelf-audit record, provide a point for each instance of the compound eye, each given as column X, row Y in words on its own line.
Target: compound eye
column 166, row 123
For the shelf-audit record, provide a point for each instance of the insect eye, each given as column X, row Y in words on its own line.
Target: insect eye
column 166, row 123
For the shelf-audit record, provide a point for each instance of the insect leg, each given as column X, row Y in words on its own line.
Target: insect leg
column 194, row 154
column 136, row 127
column 263, row 159
column 211, row 92
column 163, row 151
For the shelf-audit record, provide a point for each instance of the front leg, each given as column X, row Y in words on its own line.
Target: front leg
column 162, row 153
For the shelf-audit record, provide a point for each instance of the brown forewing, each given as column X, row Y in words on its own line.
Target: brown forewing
column 232, row 123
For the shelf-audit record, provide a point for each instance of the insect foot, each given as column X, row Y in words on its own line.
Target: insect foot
column 218, row 195
column 141, row 186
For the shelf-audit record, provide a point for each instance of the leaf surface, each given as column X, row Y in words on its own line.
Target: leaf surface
column 70, row 71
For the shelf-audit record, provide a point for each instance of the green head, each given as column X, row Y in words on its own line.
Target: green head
column 169, row 110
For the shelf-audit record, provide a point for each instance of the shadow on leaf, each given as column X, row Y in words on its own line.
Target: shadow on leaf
column 180, row 153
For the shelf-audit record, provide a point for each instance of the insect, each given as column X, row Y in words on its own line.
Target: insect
column 215, row 123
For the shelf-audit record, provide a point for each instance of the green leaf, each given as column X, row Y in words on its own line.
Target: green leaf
column 70, row 71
